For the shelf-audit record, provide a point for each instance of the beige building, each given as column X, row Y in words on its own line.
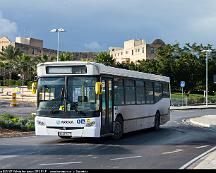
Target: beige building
column 30, row 46
column 135, row 50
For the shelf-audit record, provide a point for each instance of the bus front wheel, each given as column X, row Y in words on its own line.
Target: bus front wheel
column 118, row 128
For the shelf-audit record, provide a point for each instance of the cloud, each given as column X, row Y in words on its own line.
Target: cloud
column 94, row 45
column 7, row 27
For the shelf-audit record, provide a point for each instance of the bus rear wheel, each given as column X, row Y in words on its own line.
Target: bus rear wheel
column 157, row 121
column 118, row 128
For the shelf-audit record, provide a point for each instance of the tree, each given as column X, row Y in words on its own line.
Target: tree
column 105, row 59
column 9, row 57
column 66, row 56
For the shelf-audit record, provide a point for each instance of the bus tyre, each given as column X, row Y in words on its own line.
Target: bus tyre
column 118, row 128
column 157, row 121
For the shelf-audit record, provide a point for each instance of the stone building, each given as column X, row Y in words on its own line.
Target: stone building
column 30, row 46
column 34, row 47
column 135, row 50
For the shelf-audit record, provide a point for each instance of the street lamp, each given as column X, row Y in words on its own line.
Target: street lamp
column 58, row 30
column 207, row 57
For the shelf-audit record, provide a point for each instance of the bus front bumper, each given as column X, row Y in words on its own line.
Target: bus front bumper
column 85, row 127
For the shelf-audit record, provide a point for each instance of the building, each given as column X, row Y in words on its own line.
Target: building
column 135, row 50
column 30, row 46
column 34, row 47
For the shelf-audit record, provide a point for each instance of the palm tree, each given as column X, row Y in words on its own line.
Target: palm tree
column 10, row 53
column 9, row 56
column 66, row 56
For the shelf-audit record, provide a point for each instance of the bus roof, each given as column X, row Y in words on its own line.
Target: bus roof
column 102, row 69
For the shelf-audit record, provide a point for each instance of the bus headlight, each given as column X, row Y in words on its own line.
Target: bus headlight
column 40, row 123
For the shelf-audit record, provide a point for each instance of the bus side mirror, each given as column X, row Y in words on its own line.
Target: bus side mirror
column 98, row 88
column 34, row 87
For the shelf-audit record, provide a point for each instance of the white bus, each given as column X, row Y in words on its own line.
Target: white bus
column 87, row 99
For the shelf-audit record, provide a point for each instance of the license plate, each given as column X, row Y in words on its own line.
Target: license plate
column 64, row 133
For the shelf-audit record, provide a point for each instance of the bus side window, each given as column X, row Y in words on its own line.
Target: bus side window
column 118, row 91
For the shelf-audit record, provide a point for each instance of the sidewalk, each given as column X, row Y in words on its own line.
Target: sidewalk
column 208, row 159
column 192, row 107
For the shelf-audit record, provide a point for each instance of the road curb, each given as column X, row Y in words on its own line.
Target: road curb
column 191, row 108
column 198, row 123
column 185, row 166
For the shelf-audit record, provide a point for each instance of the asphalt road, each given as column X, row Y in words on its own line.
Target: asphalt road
column 172, row 146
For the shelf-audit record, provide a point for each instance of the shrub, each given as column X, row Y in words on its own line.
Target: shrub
column 18, row 123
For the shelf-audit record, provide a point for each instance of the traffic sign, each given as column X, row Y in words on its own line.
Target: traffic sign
column 182, row 84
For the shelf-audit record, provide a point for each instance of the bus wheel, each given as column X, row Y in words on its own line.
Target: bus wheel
column 118, row 129
column 157, row 121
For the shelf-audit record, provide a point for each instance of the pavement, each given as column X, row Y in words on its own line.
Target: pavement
column 206, row 160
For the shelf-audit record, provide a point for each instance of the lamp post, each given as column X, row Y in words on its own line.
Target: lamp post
column 58, row 30
column 207, row 57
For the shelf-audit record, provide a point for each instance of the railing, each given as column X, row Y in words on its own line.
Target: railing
column 191, row 101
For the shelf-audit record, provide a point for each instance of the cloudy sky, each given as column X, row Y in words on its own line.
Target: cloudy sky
column 95, row 25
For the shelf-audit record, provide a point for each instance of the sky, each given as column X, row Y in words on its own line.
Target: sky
column 96, row 25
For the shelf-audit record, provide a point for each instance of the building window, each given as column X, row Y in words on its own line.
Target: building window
column 121, row 53
column 126, row 52
column 143, row 50
column 132, row 52
column 138, row 50
column 152, row 50
column 33, row 51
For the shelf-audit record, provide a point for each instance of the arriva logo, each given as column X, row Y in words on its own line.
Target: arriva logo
column 58, row 122
column 66, row 122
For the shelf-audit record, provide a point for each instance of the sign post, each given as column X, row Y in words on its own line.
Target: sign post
column 182, row 85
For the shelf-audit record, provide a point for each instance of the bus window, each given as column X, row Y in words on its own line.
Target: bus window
column 129, row 92
column 119, row 91
column 140, row 95
column 51, row 93
column 81, row 94
column 166, row 92
column 149, row 92
column 157, row 91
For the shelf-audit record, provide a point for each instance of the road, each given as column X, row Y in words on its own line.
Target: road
column 172, row 146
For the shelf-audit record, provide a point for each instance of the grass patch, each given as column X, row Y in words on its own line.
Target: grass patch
column 17, row 123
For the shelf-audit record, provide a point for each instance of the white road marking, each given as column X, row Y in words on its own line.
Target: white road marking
column 197, row 158
column 171, row 152
column 204, row 146
column 7, row 157
column 121, row 158
column 65, row 163
column 94, row 157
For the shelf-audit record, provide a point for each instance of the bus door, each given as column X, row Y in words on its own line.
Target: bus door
column 107, row 106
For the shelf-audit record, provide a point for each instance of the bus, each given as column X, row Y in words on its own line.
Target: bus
column 87, row 99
